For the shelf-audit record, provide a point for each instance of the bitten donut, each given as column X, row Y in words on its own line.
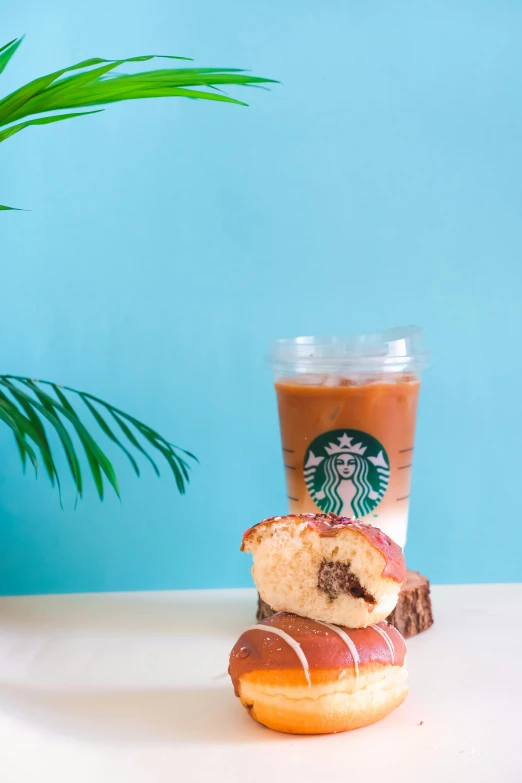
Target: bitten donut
column 301, row 676
column 329, row 568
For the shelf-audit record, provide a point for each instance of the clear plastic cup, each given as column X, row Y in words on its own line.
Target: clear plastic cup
column 347, row 412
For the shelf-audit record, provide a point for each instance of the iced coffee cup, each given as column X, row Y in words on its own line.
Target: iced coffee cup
column 347, row 411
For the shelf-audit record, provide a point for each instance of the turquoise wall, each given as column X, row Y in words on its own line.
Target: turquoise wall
column 168, row 242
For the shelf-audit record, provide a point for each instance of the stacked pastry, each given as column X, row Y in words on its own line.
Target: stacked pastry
column 327, row 661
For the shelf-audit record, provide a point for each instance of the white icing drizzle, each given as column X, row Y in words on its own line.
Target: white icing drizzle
column 387, row 639
column 349, row 643
column 296, row 647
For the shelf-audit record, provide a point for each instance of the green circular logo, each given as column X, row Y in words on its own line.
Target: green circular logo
column 346, row 472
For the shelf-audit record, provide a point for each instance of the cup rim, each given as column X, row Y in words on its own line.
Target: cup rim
column 398, row 349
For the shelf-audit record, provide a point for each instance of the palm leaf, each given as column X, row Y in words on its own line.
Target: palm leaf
column 176, row 463
column 133, row 440
column 91, row 86
column 96, row 458
column 7, row 418
column 73, row 92
column 7, row 51
column 42, row 121
column 47, row 412
column 12, row 102
column 110, row 434
column 34, row 429
column 8, row 44
column 27, row 409
column 98, row 85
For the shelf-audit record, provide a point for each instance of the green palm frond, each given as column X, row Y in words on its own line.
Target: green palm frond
column 31, row 407
column 98, row 85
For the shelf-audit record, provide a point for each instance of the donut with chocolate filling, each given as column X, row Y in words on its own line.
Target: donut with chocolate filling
column 301, row 676
column 330, row 568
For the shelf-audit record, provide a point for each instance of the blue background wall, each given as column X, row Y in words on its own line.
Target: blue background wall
column 170, row 241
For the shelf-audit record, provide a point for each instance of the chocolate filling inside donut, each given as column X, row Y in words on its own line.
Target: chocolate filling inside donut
column 335, row 578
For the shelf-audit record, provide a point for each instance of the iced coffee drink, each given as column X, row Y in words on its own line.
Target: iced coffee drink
column 347, row 410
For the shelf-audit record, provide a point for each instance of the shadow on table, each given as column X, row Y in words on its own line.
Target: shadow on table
column 184, row 716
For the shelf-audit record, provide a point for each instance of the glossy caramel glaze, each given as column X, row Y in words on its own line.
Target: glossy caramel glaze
column 259, row 650
column 329, row 525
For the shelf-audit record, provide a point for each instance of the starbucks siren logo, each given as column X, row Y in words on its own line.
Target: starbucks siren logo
column 346, row 472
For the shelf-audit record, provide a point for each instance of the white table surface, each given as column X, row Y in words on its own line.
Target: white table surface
column 130, row 687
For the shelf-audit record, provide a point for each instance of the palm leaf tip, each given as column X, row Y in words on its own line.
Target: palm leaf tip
column 7, row 51
column 43, row 121
column 28, row 409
